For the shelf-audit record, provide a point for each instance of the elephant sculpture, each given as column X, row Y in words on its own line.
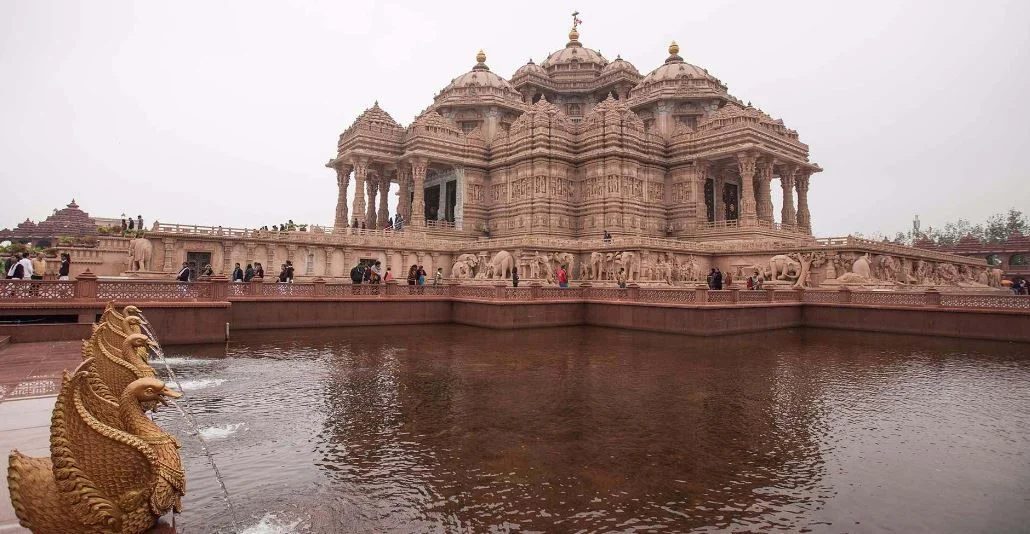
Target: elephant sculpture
column 596, row 265
column 464, row 266
column 862, row 267
column 629, row 261
column 501, row 265
column 140, row 251
column 783, row 267
column 566, row 259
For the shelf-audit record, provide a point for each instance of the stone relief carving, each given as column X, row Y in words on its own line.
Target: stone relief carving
column 464, row 267
column 784, row 267
column 500, row 265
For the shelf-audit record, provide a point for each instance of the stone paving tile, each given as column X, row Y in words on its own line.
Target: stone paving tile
column 35, row 369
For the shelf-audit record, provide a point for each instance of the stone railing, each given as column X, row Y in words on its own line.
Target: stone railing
column 218, row 289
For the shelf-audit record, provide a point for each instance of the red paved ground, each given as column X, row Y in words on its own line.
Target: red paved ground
column 34, row 369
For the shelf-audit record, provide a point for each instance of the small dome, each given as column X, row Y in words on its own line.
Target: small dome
column 530, row 68
column 479, row 76
column 675, row 68
column 619, row 65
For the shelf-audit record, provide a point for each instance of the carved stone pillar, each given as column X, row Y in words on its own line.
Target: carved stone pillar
column 360, row 174
column 271, row 269
column 748, row 206
column 700, row 206
column 804, row 217
column 328, row 262
column 764, row 194
column 788, row 215
column 169, row 254
column 384, row 198
column 404, row 192
column 250, row 253
column 226, row 258
column 342, row 182
column 719, row 182
column 418, row 204
column 291, row 253
column 373, row 188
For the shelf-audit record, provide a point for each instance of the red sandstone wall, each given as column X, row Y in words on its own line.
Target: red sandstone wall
column 972, row 324
column 706, row 321
column 518, row 315
column 252, row 314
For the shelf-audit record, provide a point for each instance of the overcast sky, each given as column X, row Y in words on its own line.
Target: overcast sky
column 224, row 113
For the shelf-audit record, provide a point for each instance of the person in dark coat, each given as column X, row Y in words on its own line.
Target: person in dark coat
column 237, row 273
column 248, row 274
column 184, row 273
column 514, row 277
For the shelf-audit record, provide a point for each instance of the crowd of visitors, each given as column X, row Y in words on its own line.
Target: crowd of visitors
column 131, row 225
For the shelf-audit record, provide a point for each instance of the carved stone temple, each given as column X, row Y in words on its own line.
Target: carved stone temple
column 533, row 170
column 577, row 145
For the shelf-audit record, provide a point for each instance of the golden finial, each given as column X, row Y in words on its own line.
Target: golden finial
column 481, row 56
column 674, row 48
column 574, row 34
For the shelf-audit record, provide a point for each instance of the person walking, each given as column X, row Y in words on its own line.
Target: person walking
column 514, row 276
column 563, row 277
column 66, row 266
column 412, row 275
column 139, row 222
column 237, row 273
column 711, row 279
column 357, row 273
column 248, row 275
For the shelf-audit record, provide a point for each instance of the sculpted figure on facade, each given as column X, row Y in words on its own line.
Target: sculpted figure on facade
column 887, row 268
column 807, row 260
column 863, row 266
column 140, row 250
column 784, row 267
column 500, row 265
column 464, row 267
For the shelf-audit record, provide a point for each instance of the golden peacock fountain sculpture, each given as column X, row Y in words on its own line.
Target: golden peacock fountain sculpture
column 111, row 469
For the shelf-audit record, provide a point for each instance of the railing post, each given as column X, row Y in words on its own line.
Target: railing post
column 499, row 291
column 86, row 285
column 701, row 292
column 633, row 291
column 318, row 287
column 844, row 295
column 587, row 288
column 534, row 291
column 218, row 288
column 932, row 298
column 735, row 295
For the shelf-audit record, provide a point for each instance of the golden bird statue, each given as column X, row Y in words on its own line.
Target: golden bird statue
column 112, row 470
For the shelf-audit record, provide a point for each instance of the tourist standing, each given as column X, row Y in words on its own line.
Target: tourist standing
column 139, row 222
column 355, row 223
column 388, row 276
column 357, row 273
column 38, row 267
column 248, row 275
column 711, row 279
column 563, row 277
column 289, row 271
column 124, row 226
column 421, row 276
column 66, row 266
column 184, row 273
column 237, row 273
column 132, row 224
column 376, row 273
column 514, row 276
column 259, row 271
column 621, row 278
column 717, row 280
column 729, row 279
column 282, row 273
column 438, row 277
column 412, row 275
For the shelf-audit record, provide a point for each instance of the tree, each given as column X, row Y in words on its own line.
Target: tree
column 996, row 229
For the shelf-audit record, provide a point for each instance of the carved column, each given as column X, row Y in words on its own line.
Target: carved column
column 804, row 217
column 373, row 188
column 360, row 173
column 271, row 269
column 169, row 253
column 342, row 182
column 788, row 214
column 291, row 252
column 227, row 258
column 764, row 194
column 418, row 204
column 250, row 253
column 328, row 262
column 384, row 198
column 719, row 181
column 748, row 206
column 404, row 191
column 700, row 206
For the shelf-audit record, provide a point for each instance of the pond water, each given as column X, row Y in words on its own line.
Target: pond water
column 458, row 429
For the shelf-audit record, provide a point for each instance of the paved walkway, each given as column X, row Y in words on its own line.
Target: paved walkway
column 30, row 375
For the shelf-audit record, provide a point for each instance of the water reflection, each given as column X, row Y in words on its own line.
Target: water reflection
column 448, row 428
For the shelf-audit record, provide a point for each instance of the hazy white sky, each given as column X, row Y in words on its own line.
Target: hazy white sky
column 224, row 113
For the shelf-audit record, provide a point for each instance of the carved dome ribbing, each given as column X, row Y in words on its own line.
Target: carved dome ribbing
column 529, row 68
column 574, row 52
column 479, row 81
column 620, row 65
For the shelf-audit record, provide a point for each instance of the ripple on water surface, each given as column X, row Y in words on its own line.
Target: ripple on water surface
column 448, row 428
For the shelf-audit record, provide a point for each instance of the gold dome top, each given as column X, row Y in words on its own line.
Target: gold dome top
column 481, row 56
column 674, row 48
column 573, row 36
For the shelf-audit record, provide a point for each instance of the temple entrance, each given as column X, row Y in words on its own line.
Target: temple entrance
column 710, row 200
column 729, row 197
column 197, row 261
column 432, row 200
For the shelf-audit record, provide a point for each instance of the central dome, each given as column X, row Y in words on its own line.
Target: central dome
column 574, row 51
